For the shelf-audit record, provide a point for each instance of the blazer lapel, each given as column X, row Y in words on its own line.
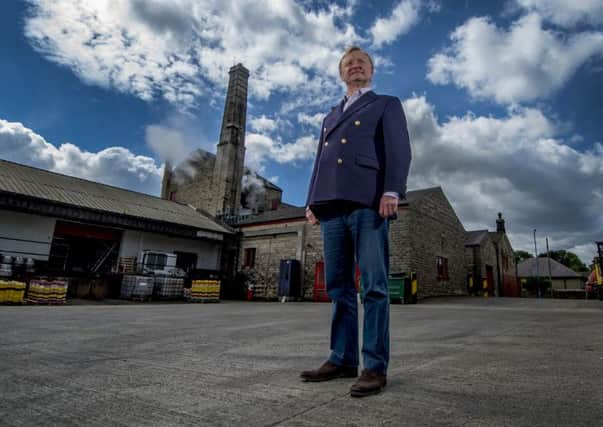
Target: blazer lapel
column 339, row 118
column 333, row 116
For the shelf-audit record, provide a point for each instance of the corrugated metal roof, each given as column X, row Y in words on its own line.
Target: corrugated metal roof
column 58, row 188
column 527, row 268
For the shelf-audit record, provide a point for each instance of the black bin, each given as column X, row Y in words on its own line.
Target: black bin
column 289, row 279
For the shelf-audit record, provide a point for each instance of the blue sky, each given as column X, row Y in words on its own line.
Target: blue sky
column 504, row 99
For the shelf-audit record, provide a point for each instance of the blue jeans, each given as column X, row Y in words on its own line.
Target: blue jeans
column 360, row 235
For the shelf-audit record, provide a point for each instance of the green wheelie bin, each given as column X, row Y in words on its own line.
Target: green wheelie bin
column 396, row 284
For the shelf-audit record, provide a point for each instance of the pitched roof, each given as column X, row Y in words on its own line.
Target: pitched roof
column 284, row 212
column 413, row 195
column 475, row 237
column 527, row 268
column 68, row 190
column 290, row 212
column 496, row 236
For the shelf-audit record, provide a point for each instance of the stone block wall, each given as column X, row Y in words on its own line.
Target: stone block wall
column 402, row 254
column 487, row 255
column 313, row 253
column 434, row 231
column 424, row 230
column 272, row 243
column 192, row 182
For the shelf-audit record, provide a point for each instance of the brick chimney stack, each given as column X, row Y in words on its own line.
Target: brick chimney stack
column 230, row 157
column 500, row 224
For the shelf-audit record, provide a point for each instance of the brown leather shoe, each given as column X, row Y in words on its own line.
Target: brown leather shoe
column 329, row 371
column 369, row 383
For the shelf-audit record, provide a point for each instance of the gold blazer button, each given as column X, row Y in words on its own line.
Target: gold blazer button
column 339, row 161
column 344, row 141
column 357, row 122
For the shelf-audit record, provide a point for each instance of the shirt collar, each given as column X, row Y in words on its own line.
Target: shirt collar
column 357, row 93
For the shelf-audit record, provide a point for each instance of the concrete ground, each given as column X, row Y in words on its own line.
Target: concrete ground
column 454, row 361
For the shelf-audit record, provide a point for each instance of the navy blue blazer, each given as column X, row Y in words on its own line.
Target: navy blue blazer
column 362, row 153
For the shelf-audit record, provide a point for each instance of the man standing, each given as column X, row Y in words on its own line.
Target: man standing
column 359, row 175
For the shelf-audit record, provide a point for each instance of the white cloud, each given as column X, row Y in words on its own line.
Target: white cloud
column 169, row 144
column 515, row 165
column 523, row 63
column 566, row 13
column 262, row 124
column 114, row 165
column 314, row 120
column 403, row 17
column 261, row 148
column 181, row 49
column 585, row 252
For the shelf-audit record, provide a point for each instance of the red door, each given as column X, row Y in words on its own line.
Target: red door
column 320, row 289
column 490, row 279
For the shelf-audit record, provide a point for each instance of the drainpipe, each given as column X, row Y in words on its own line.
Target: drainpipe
column 498, row 284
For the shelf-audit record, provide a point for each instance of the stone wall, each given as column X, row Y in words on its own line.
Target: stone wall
column 435, row 230
column 487, row 258
column 313, row 253
column 425, row 229
column 402, row 254
column 191, row 182
column 272, row 243
column 507, row 262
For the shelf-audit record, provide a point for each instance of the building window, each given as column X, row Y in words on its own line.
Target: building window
column 155, row 261
column 274, row 204
column 442, row 266
column 172, row 196
column 249, row 259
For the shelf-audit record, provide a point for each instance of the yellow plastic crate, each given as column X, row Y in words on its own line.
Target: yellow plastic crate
column 47, row 291
column 11, row 291
column 205, row 290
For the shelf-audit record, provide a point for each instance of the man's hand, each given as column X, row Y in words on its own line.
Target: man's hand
column 388, row 206
column 310, row 217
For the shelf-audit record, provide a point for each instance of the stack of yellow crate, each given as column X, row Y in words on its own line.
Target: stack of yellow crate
column 42, row 291
column 205, row 291
column 11, row 291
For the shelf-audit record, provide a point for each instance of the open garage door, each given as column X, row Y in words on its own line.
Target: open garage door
column 82, row 249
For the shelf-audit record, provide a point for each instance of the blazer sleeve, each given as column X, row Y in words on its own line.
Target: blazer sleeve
column 314, row 169
column 397, row 148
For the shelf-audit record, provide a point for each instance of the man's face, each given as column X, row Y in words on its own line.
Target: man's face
column 356, row 69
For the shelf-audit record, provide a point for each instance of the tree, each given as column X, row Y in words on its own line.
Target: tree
column 567, row 258
column 522, row 255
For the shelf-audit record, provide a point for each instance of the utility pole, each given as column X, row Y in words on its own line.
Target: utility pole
column 548, row 255
column 536, row 260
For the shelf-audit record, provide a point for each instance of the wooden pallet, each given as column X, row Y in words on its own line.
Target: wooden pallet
column 203, row 300
column 127, row 265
